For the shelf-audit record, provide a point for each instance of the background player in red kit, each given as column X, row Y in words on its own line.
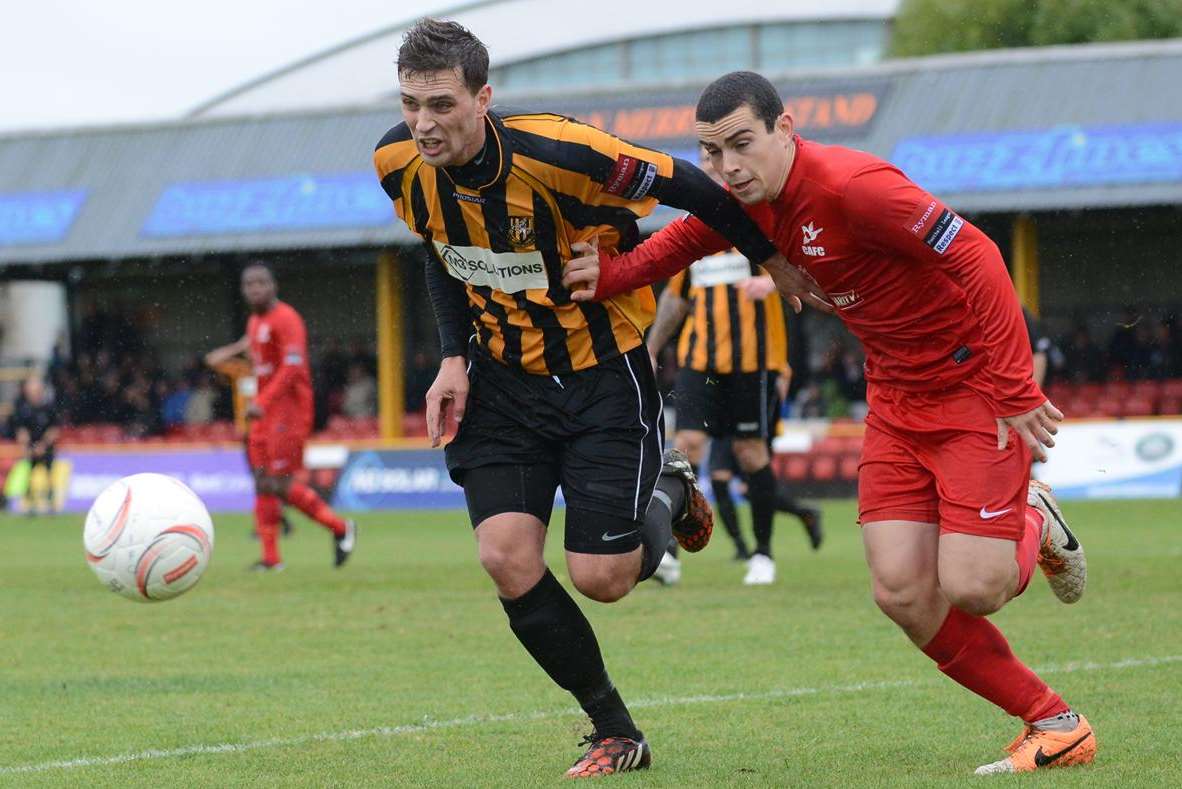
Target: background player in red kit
column 280, row 417
column 952, row 525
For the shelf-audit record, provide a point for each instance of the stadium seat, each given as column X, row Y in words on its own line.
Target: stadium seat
column 797, row 467
column 849, row 466
column 1171, row 388
column 830, row 445
column 1170, row 405
column 1138, row 406
column 1110, row 406
column 824, row 467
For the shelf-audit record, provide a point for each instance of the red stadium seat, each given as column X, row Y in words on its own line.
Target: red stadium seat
column 1170, row 405
column 1110, row 406
column 1138, row 406
column 824, row 467
column 1172, row 387
column 849, row 467
column 414, row 424
column 797, row 467
column 829, row 445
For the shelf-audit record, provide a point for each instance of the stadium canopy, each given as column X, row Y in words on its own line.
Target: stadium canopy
column 1093, row 126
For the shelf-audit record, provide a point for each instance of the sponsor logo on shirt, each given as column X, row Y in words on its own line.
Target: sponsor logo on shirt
column 939, row 232
column 810, row 235
column 726, row 268
column 467, row 198
column 630, row 178
column 843, row 301
column 264, row 332
column 508, row 272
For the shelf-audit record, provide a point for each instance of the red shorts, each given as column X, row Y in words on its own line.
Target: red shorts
column 932, row 457
column 276, row 447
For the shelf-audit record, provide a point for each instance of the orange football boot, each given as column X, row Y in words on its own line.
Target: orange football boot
column 1037, row 748
column 692, row 528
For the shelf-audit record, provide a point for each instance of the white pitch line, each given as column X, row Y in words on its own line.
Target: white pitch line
column 477, row 720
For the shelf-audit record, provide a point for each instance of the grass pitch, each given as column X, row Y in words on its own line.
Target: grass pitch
column 399, row 670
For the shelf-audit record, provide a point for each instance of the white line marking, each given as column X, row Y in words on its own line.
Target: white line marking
column 476, row 720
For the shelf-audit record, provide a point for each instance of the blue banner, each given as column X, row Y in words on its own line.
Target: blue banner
column 38, row 217
column 290, row 203
column 396, row 479
column 1055, row 158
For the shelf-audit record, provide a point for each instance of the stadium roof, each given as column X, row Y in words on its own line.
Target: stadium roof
column 362, row 70
column 1023, row 130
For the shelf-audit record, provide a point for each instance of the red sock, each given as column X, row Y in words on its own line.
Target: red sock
column 974, row 653
column 307, row 502
column 267, row 511
column 1027, row 551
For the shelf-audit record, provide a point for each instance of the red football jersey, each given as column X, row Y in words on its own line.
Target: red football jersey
column 279, row 353
column 926, row 292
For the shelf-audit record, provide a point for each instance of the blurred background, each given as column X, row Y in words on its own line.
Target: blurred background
column 148, row 152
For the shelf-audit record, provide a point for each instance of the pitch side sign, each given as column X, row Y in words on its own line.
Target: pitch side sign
column 1134, row 458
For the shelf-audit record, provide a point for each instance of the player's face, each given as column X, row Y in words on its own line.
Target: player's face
column 445, row 118
column 708, row 166
column 751, row 160
column 258, row 288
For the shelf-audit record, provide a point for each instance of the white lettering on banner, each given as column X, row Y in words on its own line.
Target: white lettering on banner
column 399, row 480
column 508, row 272
column 726, row 268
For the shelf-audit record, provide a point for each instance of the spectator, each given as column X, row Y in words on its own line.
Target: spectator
column 1082, row 361
column 1126, row 350
column 35, row 425
column 199, row 410
column 1162, row 353
column 172, row 411
column 419, row 378
column 361, row 394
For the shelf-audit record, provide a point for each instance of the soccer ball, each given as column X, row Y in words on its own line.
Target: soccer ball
column 148, row 537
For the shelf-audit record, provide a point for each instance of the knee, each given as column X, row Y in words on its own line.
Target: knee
column 751, row 454
column 905, row 603
column 602, row 584
column 978, row 596
column 514, row 570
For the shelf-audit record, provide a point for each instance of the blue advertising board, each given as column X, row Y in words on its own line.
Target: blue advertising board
column 296, row 202
column 1049, row 159
column 38, row 217
column 396, row 479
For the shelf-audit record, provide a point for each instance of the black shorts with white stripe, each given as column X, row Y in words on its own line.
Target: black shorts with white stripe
column 596, row 433
column 734, row 405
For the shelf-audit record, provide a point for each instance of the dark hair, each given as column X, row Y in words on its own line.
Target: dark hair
column 259, row 264
column 432, row 45
column 731, row 91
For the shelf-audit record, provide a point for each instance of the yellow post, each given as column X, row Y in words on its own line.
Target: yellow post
column 1025, row 238
column 391, row 369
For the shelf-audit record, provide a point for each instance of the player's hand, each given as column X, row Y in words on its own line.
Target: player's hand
column 796, row 286
column 580, row 275
column 450, row 390
column 783, row 383
column 1037, row 428
column 758, row 288
column 254, row 411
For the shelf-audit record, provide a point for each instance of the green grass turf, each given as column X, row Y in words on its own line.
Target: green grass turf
column 411, row 633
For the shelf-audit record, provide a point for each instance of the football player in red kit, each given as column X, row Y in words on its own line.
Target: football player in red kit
column 280, row 417
column 951, row 523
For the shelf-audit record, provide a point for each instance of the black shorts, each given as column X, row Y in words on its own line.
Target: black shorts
column 598, row 433
column 737, row 405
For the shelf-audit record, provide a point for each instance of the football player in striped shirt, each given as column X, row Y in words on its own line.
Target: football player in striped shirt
column 550, row 392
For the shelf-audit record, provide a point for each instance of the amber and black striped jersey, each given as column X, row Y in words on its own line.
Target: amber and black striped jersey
column 503, row 224
column 726, row 331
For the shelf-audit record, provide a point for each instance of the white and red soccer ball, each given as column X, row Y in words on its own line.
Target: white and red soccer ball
column 148, row 537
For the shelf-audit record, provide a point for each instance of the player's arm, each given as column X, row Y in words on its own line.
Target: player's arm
column 449, row 302
column 223, row 354
column 620, row 174
column 292, row 337
column 672, row 307
column 893, row 213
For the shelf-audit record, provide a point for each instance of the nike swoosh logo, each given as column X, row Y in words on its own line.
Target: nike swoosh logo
column 986, row 515
column 1042, row 760
column 1072, row 543
column 609, row 537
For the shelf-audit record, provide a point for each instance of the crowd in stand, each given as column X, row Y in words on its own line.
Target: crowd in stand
column 113, row 377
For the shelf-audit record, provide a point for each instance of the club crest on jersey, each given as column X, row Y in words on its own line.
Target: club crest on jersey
column 521, row 231
column 810, row 235
column 264, row 332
